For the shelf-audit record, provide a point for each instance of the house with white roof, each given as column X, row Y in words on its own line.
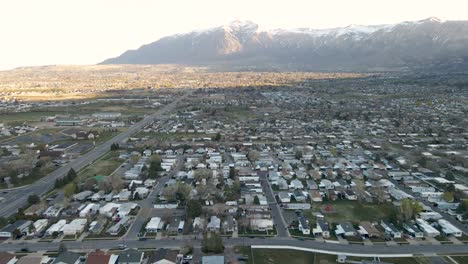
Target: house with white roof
column 214, row 224
column 448, row 229
column 428, row 230
column 296, row 185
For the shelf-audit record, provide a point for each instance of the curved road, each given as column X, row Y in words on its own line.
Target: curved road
column 16, row 199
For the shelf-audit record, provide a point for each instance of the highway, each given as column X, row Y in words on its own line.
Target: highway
column 16, row 199
column 331, row 248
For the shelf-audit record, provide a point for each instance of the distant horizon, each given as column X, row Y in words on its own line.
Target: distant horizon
column 54, row 32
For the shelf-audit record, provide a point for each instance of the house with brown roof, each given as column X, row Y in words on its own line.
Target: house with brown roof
column 101, row 257
column 7, row 258
column 367, row 229
column 34, row 258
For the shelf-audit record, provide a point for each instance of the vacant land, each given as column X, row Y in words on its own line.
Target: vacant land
column 104, row 166
column 44, row 136
column 33, row 116
column 270, row 256
column 280, row 256
column 350, row 211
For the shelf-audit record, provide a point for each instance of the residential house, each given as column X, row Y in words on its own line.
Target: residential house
column 35, row 209
column 282, row 184
column 165, row 256
column 20, row 227
column 75, row 227
column 56, row 228
column 7, row 258
column 315, row 196
column 230, row 224
column 428, row 230
column 367, row 229
column 212, row 260
column 413, row 230
column 390, row 229
column 350, row 195
column 322, row 228
column 198, row 224
column 261, row 224
column 214, row 224
column 300, row 196
column 131, row 256
column 296, row 185
column 68, row 257
column 53, row 211
column 154, row 225
column 326, row 184
column 304, row 225
column 34, row 258
column 448, row 229
column 38, row 226
column 312, row 185
column 89, row 209
column 100, row 257
column 345, row 229
column 284, row 197
column 119, row 226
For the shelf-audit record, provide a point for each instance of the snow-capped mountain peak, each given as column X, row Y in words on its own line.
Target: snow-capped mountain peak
column 242, row 26
column 407, row 44
column 432, row 19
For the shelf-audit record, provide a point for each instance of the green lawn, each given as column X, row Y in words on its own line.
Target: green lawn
column 351, row 211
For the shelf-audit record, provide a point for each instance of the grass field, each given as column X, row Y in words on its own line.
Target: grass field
column 104, row 166
column 236, row 112
column 281, row 256
column 80, row 109
column 460, row 259
column 414, row 260
column 19, row 118
column 351, row 211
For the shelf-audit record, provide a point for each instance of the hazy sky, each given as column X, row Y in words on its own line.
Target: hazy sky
column 43, row 32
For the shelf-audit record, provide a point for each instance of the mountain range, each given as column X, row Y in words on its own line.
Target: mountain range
column 429, row 43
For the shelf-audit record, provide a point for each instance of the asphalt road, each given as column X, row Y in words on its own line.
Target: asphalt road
column 147, row 205
column 16, row 199
column 375, row 250
column 145, row 211
column 281, row 227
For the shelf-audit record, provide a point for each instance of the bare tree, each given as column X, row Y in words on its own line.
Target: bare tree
column 117, row 183
column 253, row 155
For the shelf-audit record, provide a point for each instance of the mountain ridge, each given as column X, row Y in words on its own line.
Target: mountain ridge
column 411, row 44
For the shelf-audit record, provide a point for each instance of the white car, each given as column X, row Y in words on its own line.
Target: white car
column 188, row 257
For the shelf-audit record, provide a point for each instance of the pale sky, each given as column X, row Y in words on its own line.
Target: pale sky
column 44, row 32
